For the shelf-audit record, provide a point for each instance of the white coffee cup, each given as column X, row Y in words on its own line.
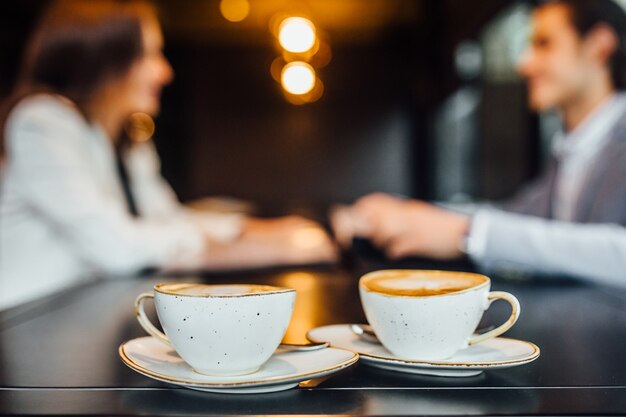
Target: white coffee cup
column 220, row 329
column 429, row 315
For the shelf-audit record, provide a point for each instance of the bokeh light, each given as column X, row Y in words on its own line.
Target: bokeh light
column 296, row 34
column 235, row 10
column 276, row 68
column 298, row 78
column 322, row 56
column 312, row 96
column 140, row 127
column 306, row 313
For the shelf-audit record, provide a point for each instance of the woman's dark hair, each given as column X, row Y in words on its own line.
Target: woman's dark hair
column 587, row 15
column 77, row 46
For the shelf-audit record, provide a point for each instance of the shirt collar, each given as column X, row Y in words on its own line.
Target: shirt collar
column 592, row 133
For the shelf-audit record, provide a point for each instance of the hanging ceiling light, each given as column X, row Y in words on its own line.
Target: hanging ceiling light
column 298, row 78
column 296, row 34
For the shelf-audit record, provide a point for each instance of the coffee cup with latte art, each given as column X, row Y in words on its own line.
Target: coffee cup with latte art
column 429, row 315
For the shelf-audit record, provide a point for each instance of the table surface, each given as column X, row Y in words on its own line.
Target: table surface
column 59, row 356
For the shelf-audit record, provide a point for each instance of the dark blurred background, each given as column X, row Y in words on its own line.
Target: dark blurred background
column 420, row 98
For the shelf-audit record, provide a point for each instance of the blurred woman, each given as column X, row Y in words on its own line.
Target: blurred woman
column 78, row 197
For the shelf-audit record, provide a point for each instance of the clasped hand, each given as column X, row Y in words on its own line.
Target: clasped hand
column 401, row 227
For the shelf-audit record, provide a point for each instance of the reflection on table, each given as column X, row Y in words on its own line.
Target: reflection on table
column 60, row 355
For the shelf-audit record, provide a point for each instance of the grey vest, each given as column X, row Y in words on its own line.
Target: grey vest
column 603, row 195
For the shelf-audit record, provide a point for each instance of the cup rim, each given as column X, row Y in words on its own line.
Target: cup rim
column 267, row 290
column 485, row 283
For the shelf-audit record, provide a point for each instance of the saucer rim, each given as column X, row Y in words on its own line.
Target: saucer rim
column 235, row 384
column 536, row 352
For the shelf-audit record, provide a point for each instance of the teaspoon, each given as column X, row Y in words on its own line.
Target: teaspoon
column 365, row 332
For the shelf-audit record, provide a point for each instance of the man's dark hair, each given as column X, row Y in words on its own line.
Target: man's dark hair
column 587, row 15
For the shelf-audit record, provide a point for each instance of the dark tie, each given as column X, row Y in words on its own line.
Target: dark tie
column 123, row 175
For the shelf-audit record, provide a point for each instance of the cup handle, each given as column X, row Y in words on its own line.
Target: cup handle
column 145, row 322
column 515, row 310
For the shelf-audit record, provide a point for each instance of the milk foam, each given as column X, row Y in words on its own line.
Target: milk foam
column 205, row 290
column 421, row 283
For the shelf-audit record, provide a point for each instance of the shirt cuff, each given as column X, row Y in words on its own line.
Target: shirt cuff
column 476, row 241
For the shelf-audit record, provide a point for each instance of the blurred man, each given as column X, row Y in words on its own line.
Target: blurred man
column 576, row 63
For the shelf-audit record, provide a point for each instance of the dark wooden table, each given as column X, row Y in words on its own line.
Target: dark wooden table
column 59, row 356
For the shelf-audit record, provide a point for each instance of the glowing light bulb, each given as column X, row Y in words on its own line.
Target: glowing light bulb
column 298, row 78
column 296, row 34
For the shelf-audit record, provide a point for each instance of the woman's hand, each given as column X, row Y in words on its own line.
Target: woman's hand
column 290, row 240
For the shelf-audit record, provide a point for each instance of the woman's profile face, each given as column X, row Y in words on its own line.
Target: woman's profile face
column 140, row 89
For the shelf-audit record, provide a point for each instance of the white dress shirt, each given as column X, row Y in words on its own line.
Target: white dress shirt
column 504, row 241
column 63, row 214
column 515, row 243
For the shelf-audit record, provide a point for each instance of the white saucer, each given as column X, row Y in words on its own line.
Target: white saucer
column 154, row 359
column 495, row 353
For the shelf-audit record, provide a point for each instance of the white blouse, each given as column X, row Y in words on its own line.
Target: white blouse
column 63, row 214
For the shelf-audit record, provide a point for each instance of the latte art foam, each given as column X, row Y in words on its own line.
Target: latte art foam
column 421, row 283
column 226, row 290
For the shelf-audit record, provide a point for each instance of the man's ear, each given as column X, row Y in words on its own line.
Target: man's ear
column 602, row 41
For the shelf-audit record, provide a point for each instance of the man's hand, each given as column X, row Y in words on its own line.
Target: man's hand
column 401, row 227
